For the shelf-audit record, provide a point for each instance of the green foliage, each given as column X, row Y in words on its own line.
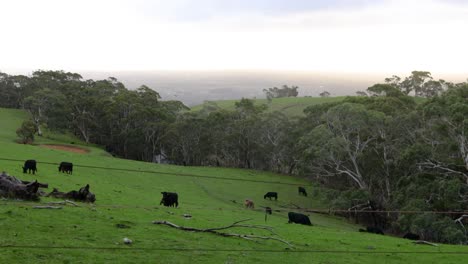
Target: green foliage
column 26, row 132
column 419, row 83
column 348, row 198
column 284, row 91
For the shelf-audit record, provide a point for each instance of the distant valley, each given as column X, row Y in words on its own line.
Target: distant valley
column 193, row 88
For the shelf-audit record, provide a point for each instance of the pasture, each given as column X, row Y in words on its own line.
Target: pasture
column 127, row 201
column 291, row 106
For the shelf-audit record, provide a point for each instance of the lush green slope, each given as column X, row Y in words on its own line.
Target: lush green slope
column 88, row 233
column 293, row 106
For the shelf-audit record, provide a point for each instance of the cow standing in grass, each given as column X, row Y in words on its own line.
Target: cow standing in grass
column 66, row 167
column 30, row 166
column 302, row 191
column 271, row 195
column 298, row 218
column 170, row 199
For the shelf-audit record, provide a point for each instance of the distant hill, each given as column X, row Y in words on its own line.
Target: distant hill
column 292, row 106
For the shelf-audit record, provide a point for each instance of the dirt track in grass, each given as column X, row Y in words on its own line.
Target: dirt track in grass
column 66, row 148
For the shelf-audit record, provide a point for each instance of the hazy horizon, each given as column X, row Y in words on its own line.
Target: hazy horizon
column 194, row 87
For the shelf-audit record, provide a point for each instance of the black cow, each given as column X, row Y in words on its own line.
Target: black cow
column 298, row 218
column 271, row 195
column 302, row 191
column 268, row 210
column 169, row 199
column 411, row 236
column 372, row 229
column 30, row 165
column 66, row 167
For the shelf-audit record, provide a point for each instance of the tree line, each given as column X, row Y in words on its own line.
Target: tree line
column 383, row 150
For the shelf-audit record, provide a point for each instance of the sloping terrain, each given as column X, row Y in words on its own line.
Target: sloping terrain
column 291, row 106
column 128, row 195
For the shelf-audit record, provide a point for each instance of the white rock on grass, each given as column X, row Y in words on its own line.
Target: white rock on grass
column 127, row 241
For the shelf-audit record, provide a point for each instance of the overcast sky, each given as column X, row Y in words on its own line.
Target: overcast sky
column 362, row 36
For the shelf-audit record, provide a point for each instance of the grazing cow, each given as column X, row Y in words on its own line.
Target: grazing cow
column 249, row 204
column 83, row 195
column 298, row 218
column 271, row 195
column 66, row 167
column 170, row 199
column 372, row 229
column 30, row 165
column 411, row 236
column 302, row 191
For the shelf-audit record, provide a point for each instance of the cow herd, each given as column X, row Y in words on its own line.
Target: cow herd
column 83, row 194
column 292, row 216
column 30, row 166
column 170, row 199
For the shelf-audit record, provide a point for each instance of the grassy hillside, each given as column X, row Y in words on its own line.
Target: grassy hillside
column 293, row 106
column 88, row 233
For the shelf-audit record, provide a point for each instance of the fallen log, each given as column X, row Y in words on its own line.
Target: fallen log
column 233, row 225
column 423, row 242
column 11, row 187
column 41, row 185
column 47, row 207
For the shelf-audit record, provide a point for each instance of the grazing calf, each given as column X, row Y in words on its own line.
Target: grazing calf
column 170, row 199
column 302, row 191
column 372, row 229
column 271, row 195
column 66, row 167
column 30, row 165
column 298, row 218
column 249, row 204
column 411, row 236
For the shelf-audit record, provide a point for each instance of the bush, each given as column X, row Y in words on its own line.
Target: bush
column 26, row 131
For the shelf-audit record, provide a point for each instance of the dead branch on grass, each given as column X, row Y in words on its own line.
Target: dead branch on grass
column 423, row 242
column 233, row 225
column 47, row 207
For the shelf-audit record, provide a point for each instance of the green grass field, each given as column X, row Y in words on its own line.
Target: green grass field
column 292, row 106
column 88, row 233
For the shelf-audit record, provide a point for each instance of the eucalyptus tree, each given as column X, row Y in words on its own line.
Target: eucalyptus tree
column 243, row 133
column 41, row 105
column 337, row 146
column 447, row 131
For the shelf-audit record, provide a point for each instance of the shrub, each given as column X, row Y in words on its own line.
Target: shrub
column 26, row 131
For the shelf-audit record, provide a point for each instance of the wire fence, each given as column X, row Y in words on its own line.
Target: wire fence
column 296, row 208
column 240, row 209
column 168, row 173
column 292, row 251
